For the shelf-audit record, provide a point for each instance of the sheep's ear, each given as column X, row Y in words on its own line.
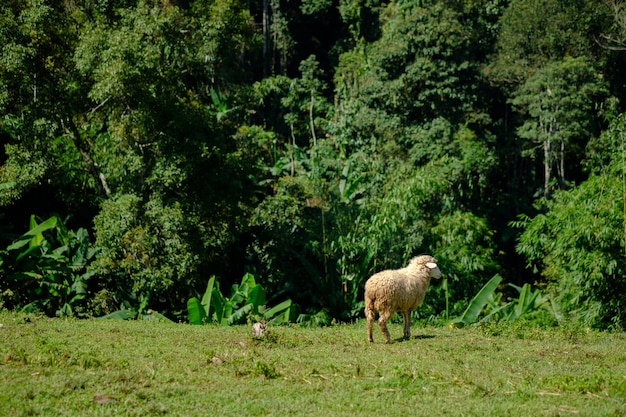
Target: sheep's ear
column 431, row 265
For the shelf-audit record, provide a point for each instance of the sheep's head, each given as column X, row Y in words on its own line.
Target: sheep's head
column 435, row 272
column 430, row 263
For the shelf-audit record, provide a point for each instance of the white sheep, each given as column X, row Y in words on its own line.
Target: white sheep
column 402, row 290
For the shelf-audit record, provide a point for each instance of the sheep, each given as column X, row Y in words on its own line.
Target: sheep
column 402, row 290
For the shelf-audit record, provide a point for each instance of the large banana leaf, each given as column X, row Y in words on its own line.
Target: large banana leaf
column 526, row 302
column 282, row 312
column 479, row 301
column 239, row 315
column 247, row 283
column 256, row 297
column 120, row 315
column 195, row 311
column 34, row 237
column 206, row 298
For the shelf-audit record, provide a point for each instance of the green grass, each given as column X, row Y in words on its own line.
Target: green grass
column 54, row 367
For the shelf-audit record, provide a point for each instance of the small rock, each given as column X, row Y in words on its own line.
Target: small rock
column 102, row 399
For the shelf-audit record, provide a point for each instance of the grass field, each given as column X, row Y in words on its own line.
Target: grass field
column 54, row 367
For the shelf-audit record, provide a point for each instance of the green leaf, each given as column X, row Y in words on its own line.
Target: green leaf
column 206, row 299
column 81, row 252
column 277, row 309
column 34, row 236
column 226, row 312
column 236, row 296
column 520, row 307
column 245, row 289
column 64, row 236
column 239, row 315
column 38, row 238
column 478, row 302
column 501, row 312
column 248, row 279
column 195, row 311
column 154, row 316
column 218, row 303
column 27, row 252
column 349, row 184
column 65, row 310
column 256, row 297
column 19, row 276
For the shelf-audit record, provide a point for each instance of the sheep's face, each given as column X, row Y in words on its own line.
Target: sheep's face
column 435, row 272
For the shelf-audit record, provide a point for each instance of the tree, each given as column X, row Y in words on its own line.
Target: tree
column 560, row 102
column 42, row 100
column 534, row 33
column 615, row 37
column 115, row 106
column 419, row 70
column 165, row 87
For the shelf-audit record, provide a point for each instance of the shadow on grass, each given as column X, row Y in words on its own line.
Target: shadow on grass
column 417, row 337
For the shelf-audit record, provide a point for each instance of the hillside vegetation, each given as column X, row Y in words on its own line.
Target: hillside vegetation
column 147, row 146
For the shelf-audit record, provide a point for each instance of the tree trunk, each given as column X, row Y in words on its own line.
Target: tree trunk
column 291, row 157
column 562, row 166
column 312, row 120
column 266, row 38
column 547, row 168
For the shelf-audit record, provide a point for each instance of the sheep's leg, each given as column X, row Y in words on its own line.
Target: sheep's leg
column 382, row 323
column 369, row 315
column 406, row 315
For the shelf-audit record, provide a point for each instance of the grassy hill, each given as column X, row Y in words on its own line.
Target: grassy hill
column 54, row 367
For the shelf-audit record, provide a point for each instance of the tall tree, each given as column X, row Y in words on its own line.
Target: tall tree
column 534, row 33
column 166, row 85
column 561, row 102
column 43, row 102
column 419, row 71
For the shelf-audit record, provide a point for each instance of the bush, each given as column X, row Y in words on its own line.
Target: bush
column 577, row 245
column 146, row 251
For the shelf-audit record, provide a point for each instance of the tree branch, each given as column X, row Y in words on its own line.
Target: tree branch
column 93, row 168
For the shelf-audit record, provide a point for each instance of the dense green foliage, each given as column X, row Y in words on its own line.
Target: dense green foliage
column 575, row 243
column 311, row 144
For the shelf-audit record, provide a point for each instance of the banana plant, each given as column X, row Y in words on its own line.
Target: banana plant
column 477, row 304
column 137, row 310
column 527, row 301
column 46, row 267
column 246, row 299
column 489, row 303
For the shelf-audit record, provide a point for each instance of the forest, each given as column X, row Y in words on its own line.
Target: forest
column 155, row 149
